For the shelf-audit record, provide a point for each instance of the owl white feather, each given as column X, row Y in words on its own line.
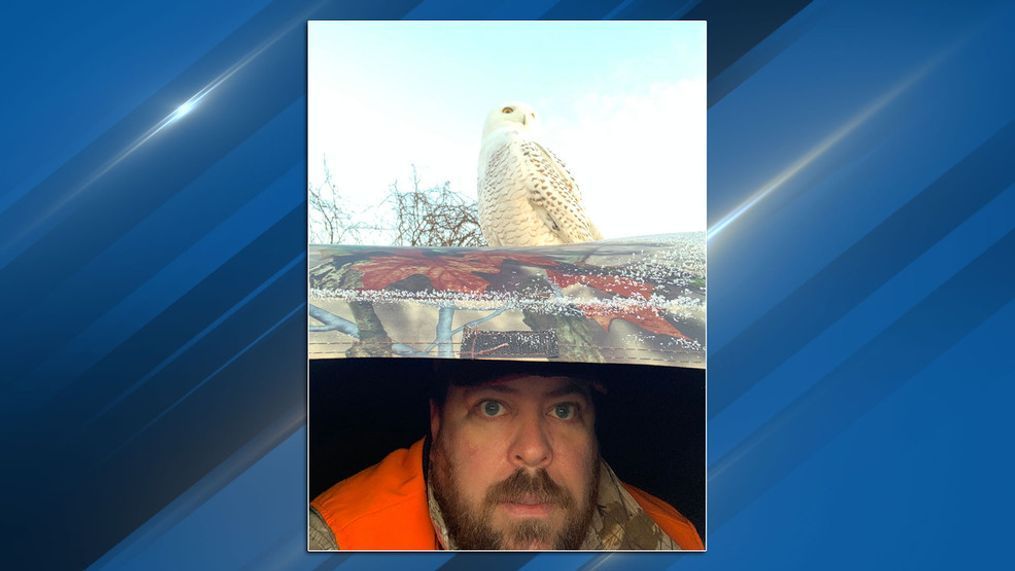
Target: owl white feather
column 527, row 197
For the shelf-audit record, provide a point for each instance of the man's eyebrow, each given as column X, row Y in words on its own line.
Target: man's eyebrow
column 495, row 387
column 568, row 389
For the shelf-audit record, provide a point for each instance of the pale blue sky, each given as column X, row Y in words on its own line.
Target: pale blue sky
column 623, row 103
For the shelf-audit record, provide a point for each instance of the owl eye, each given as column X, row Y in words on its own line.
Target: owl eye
column 508, row 110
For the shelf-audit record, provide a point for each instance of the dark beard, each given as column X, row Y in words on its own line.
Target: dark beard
column 470, row 530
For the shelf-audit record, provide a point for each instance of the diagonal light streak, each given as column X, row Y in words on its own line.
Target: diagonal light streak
column 826, row 144
column 184, row 109
column 179, row 113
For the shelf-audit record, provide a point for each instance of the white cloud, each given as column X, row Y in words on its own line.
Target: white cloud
column 640, row 158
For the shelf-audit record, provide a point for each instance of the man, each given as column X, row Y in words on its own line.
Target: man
column 511, row 462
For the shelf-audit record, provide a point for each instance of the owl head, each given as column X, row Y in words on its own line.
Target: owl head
column 514, row 115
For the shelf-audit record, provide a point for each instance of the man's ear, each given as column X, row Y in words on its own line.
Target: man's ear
column 435, row 419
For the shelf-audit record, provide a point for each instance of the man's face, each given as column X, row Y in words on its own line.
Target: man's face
column 515, row 463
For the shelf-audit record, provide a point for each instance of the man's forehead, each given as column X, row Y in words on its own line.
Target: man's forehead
column 532, row 384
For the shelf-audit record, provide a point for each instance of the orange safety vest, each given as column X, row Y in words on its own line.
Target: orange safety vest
column 385, row 507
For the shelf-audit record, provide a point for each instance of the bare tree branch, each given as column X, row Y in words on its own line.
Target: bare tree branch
column 435, row 216
column 331, row 222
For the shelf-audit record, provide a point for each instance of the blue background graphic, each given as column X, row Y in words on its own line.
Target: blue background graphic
column 152, row 283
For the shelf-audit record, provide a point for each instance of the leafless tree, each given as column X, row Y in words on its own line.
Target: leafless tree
column 330, row 220
column 436, row 216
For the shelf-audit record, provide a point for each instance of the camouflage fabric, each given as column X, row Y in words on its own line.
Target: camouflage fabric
column 319, row 535
column 618, row 522
column 637, row 301
column 438, row 520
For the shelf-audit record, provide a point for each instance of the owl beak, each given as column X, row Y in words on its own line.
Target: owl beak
column 523, row 119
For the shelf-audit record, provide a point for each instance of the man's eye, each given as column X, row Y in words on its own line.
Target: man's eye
column 491, row 408
column 565, row 411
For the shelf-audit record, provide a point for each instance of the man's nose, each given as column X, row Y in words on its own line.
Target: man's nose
column 531, row 447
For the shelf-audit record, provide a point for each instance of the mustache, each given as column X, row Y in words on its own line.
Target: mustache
column 538, row 486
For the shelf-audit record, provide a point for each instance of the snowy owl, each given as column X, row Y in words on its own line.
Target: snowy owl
column 527, row 197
